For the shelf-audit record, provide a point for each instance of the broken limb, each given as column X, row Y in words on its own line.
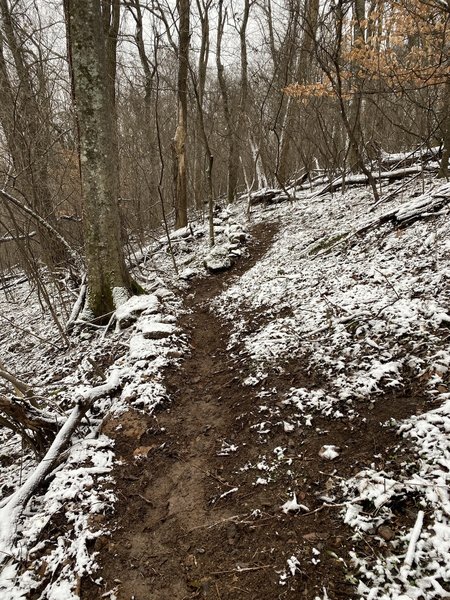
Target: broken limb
column 78, row 306
column 12, row 507
column 34, row 215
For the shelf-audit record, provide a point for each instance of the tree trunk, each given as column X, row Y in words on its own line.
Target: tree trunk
column 109, row 283
column 244, row 126
column 179, row 141
column 302, row 76
column 233, row 158
column 445, row 127
column 356, row 104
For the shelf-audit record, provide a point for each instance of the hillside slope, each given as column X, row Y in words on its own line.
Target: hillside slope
column 280, row 430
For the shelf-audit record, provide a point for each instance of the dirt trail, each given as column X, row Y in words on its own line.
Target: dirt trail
column 184, row 525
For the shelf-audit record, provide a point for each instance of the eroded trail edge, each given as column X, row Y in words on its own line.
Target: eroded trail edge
column 194, row 518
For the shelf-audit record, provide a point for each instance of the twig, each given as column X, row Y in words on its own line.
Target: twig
column 11, row 322
column 393, row 194
column 97, row 370
column 145, row 499
column 389, row 283
column 239, row 570
column 110, row 322
column 221, row 522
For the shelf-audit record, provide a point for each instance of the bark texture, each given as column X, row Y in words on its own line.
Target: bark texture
column 93, row 66
column 179, row 142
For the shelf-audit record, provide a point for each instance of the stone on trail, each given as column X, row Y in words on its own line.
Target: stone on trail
column 128, row 312
column 154, row 330
column 329, row 452
column 142, row 348
column 236, row 234
column 218, row 260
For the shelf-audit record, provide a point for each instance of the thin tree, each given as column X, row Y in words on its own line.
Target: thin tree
column 230, row 134
column 25, row 117
column 179, row 141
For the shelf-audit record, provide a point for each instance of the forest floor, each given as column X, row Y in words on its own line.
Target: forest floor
column 286, row 437
column 190, row 522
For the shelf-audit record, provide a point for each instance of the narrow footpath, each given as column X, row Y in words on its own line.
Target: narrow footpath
column 190, row 521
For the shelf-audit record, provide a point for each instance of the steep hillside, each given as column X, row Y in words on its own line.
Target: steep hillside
column 277, row 429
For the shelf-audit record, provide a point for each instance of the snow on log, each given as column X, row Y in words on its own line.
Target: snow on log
column 78, row 306
column 267, row 196
column 12, row 507
column 361, row 179
column 415, row 535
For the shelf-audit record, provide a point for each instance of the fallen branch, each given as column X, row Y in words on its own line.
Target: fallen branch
column 415, row 535
column 25, row 330
column 36, row 217
column 361, row 179
column 12, row 507
column 78, row 306
column 19, row 386
column 424, row 206
column 388, row 197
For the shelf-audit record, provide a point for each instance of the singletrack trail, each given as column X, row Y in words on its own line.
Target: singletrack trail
column 190, row 521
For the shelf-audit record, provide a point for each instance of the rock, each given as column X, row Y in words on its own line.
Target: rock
column 236, row 252
column 218, row 260
column 187, row 274
column 129, row 311
column 153, row 330
column 386, row 533
column 329, row 452
column 141, row 348
column 236, row 234
column 184, row 232
column 162, row 293
column 174, row 353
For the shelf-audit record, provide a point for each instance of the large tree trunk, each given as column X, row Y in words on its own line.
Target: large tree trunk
column 108, row 280
column 179, row 141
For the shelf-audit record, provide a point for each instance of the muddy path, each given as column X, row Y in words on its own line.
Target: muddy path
column 191, row 520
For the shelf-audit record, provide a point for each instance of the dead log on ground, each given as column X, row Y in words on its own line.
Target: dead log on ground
column 12, row 507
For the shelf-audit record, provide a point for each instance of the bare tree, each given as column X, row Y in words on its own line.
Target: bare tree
column 25, row 117
column 230, row 134
column 179, row 141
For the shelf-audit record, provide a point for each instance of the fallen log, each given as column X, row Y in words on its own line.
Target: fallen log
column 425, row 206
column 12, row 507
column 361, row 179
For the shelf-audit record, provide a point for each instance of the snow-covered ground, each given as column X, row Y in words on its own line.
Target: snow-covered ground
column 368, row 311
column 367, row 307
column 81, row 489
